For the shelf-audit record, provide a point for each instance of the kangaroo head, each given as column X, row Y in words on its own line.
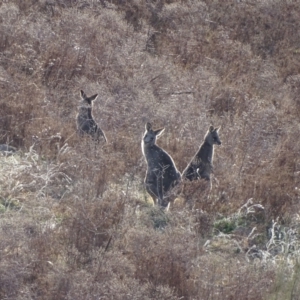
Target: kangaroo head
column 86, row 99
column 151, row 135
column 212, row 136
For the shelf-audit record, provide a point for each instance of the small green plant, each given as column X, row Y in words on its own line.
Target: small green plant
column 159, row 218
column 9, row 204
column 2, row 208
column 225, row 225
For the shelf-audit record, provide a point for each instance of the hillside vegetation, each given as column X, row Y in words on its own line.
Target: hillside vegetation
column 75, row 220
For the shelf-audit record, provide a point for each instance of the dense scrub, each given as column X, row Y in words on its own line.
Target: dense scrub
column 76, row 222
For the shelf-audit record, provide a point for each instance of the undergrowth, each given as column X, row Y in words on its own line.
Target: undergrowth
column 76, row 221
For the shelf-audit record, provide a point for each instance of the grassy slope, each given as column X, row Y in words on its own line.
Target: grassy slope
column 74, row 220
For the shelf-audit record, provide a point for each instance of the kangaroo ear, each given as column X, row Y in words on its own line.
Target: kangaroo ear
column 217, row 128
column 211, row 128
column 92, row 98
column 82, row 94
column 158, row 132
column 148, row 126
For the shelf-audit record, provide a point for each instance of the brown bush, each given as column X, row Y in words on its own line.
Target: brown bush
column 76, row 222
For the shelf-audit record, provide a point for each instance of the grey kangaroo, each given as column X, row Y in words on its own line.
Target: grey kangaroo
column 162, row 174
column 85, row 120
column 201, row 164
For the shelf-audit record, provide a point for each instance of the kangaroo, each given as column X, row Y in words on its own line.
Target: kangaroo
column 201, row 164
column 85, row 121
column 162, row 174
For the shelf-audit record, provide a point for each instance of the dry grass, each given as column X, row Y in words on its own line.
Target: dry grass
column 76, row 222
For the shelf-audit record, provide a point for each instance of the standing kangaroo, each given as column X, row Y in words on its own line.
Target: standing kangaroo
column 162, row 174
column 201, row 164
column 85, row 121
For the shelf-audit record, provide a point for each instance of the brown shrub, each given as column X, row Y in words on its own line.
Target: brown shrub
column 74, row 219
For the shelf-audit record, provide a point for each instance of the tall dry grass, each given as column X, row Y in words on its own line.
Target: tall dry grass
column 76, row 222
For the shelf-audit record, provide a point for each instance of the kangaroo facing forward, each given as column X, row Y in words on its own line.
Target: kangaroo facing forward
column 201, row 164
column 162, row 174
column 85, row 120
